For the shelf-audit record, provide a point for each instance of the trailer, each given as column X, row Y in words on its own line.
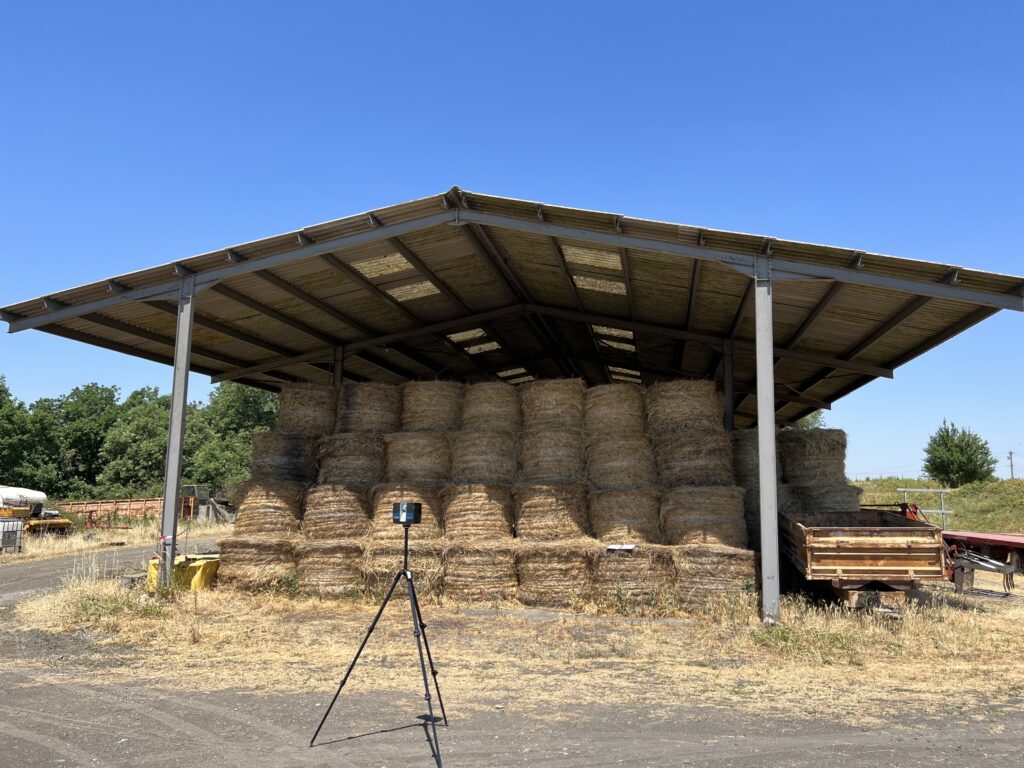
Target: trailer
column 869, row 557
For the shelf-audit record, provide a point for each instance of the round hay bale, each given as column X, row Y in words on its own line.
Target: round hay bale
column 745, row 463
column 620, row 462
column 491, row 406
column 556, row 574
column 614, row 409
column 475, row 572
column 278, row 457
column 483, row 457
column 813, row 456
column 693, row 458
column 386, row 496
column 684, row 406
column 384, row 558
column 828, row 498
column 697, row 515
column 267, row 508
column 548, row 512
column 369, row 407
column 706, row 574
column 552, row 455
column 625, row 516
column 330, row 568
column 431, row 406
column 419, row 457
column 552, row 404
column 477, row 511
column 255, row 562
column 307, row 409
column 352, row 457
column 643, row 578
column 335, row 511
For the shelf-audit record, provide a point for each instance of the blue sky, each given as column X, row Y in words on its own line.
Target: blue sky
column 133, row 135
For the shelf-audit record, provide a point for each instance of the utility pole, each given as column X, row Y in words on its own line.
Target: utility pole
column 1011, row 465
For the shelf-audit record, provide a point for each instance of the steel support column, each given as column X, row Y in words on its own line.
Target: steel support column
column 728, row 386
column 338, row 366
column 766, row 441
column 176, row 430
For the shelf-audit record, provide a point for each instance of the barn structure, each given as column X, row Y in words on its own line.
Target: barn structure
column 473, row 287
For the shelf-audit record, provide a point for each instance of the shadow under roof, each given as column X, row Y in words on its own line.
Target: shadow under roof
column 474, row 287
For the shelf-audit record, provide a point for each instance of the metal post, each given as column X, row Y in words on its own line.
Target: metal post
column 728, row 386
column 176, row 429
column 338, row 367
column 766, row 442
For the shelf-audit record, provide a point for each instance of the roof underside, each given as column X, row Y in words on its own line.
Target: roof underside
column 474, row 287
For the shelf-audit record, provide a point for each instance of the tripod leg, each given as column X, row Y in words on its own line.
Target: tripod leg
column 430, row 658
column 362, row 645
column 418, row 632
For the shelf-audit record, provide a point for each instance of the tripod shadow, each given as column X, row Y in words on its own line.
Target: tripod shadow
column 425, row 722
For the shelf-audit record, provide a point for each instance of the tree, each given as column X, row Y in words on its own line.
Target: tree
column 957, row 456
column 814, row 420
column 13, row 436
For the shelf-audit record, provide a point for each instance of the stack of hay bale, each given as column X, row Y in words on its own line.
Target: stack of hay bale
column 555, row 555
column 527, row 492
column 701, row 506
column 265, row 543
column 814, row 465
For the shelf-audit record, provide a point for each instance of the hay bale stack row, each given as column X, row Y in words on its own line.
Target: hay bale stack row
column 814, row 465
column 549, row 462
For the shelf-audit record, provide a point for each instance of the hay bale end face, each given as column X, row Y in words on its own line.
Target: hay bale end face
column 477, row 512
column 828, row 498
column 335, row 511
column 614, row 409
column 620, row 462
column 704, row 515
column 431, row 406
column 684, row 406
column 709, row 574
column 307, row 409
column 384, row 499
column 552, row 404
column 384, row 558
column 687, row 457
column 642, row 578
column 479, row 572
column 491, row 406
column 552, row 455
column 352, row 457
column 418, row 457
column 483, row 457
column 255, row 562
column 331, row 568
column 625, row 517
column 267, row 508
column 813, row 456
column 549, row 512
column 556, row 574
column 369, row 407
column 278, row 457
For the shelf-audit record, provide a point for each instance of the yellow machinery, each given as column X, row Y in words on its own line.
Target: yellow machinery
column 30, row 506
column 190, row 571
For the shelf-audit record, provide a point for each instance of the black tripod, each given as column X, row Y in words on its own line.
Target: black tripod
column 419, row 629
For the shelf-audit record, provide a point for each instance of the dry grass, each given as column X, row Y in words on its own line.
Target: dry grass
column 91, row 540
column 857, row 667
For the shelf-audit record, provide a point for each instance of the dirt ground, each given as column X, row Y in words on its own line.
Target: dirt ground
column 55, row 710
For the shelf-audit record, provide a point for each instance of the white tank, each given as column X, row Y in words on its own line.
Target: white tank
column 20, row 497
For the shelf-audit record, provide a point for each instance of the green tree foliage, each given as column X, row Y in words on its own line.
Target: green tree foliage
column 814, row 420
column 13, row 432
column 87, row 444
column 957, row 456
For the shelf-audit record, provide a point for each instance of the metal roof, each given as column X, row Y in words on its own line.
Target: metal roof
column 473, row 287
